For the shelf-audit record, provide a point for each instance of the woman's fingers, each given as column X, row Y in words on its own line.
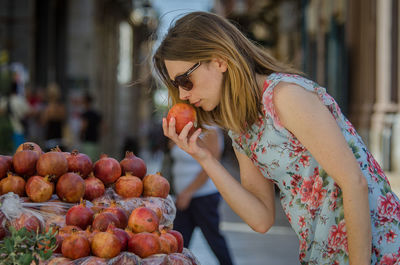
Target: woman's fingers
column 171, row 127
column 183, row 140
column 165, row 126
column 185, row 131
column 194, row 136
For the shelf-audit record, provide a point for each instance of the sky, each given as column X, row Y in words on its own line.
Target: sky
column 169, row 9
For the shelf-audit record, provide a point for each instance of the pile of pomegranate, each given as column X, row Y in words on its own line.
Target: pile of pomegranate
column 106, row 212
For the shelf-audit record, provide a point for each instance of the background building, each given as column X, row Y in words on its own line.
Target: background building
column 104, row 46
column 96, row 46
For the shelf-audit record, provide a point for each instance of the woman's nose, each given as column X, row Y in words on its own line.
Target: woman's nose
column 183, row 94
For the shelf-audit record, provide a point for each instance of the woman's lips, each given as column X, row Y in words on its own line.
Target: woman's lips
column 197, row 104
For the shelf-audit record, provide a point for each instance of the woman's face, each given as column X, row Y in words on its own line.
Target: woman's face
column 207, row 82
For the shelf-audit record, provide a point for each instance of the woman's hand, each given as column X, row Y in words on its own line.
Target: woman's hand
column 191, row 144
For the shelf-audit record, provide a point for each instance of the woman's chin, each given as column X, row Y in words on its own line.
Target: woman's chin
column 208, row 107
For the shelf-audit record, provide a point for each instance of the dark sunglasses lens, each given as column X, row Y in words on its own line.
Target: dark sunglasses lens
column 175, row 83
column 184, row 82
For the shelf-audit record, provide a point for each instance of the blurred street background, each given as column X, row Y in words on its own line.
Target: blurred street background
column 68, row 58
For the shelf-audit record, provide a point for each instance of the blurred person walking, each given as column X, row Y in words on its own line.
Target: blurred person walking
column 91, row 127
column 197, row 198
column 53, row 118
column 16, row 108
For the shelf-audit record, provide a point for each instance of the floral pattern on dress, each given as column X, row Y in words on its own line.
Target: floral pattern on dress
column 310, row 198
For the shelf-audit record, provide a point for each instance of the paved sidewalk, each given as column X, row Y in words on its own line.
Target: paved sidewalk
column 277, row 247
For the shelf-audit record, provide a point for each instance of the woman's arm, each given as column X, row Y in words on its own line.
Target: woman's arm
column 303, row 114
column 183, row 199
column 211, row 141
column 253, row 202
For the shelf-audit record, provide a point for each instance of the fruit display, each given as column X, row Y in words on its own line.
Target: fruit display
column 98, row 212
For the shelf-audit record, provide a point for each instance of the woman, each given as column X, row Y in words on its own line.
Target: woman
column 286, row 130
column 197, row 198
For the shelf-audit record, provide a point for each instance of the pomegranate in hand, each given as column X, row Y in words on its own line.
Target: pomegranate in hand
column 183, row 114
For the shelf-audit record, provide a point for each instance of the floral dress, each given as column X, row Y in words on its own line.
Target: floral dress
column 310, row 198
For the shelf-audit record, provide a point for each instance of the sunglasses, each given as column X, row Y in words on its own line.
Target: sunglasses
column 183, row 79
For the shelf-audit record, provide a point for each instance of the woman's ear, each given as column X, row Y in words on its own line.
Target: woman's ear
column 220, row 63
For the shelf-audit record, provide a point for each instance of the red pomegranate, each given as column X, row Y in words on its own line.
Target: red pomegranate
column 169, row 244
column 52, row 163
column 94, row 187
column 58, row 149
column 107, row 169
column 79, row 163
column 27, row 220
column 129, row 186
column 68, row 229
column 129, row 233
column 144, row 244
column 5, row 165
column 24, row 161
column 79, row 215
column 155, row 185
column 59, row 241
column 75, row 246
column 106, row 245
column 103, row 220
column 179, row 239
column 34, row 146
column 91, row 234
column 119, row 213
column 133, row 164
column 39, row 189
column 183, row 114
column 143, row 219
column 121, row 234
column 12, row 183
column 70, row 187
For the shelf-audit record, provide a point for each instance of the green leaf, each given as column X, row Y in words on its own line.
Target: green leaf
column 8, row 245
column 41, row 253
column 47, row 255
column 25, row 259
column 23, row 246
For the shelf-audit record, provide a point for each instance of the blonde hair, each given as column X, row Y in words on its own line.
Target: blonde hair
column 201, row 36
